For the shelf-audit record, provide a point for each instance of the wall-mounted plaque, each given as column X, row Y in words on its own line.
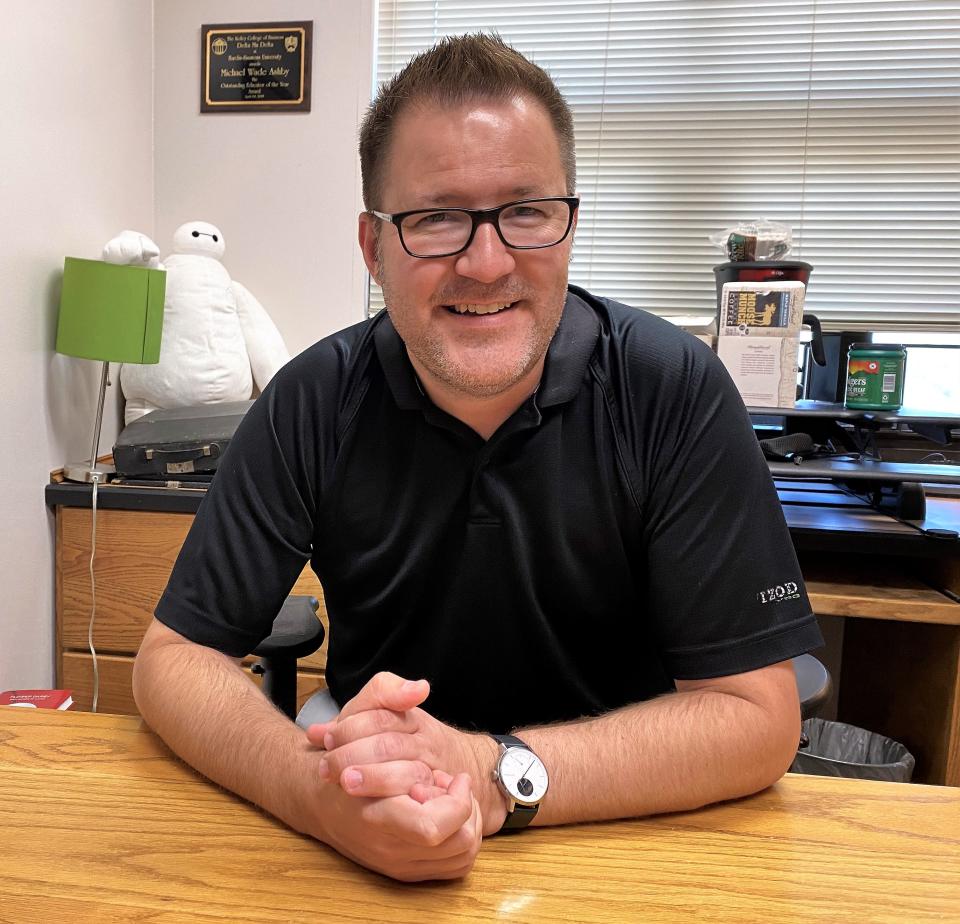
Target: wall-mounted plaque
column 256, row 67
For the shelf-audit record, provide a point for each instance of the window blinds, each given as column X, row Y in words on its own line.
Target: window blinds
column 840, row 118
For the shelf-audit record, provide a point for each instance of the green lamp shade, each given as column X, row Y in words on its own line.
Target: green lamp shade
column 111, row 313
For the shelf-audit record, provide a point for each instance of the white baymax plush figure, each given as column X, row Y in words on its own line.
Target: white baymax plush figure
column 217, row 338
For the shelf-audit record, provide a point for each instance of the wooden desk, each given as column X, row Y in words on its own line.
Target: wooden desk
column 101, row 823
column 896, row 596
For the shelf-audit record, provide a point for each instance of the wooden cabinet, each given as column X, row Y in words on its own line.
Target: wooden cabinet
column 135, row 552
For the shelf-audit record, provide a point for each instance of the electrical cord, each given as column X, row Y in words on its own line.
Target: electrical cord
column 93, row 594
column 937, row 457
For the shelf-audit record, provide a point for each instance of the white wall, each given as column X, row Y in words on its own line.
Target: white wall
column 100, row 130
column 75, row 165
column 284, row 188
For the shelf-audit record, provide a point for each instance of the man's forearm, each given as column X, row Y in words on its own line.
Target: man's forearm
column 714, row 739
column 204, row 707
column 680, row 751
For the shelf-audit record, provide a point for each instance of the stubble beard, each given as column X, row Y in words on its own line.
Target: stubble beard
column 484, row 368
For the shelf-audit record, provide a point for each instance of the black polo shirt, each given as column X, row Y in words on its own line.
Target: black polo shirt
column 619, row 531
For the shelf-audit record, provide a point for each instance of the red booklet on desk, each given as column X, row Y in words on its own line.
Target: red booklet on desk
column 37, row 699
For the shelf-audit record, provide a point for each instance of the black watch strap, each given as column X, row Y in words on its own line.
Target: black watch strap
column 520, row 817
column 509, row 741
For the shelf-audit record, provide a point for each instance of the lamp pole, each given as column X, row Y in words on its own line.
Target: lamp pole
column 90, row 472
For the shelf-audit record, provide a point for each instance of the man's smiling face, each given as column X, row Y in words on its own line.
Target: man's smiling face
column 479, row 155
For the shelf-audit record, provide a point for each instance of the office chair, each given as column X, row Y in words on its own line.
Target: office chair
column 813, row 684
column 297, row 632
column 813, row 688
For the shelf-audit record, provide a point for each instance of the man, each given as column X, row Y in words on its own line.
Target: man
column 527, row 506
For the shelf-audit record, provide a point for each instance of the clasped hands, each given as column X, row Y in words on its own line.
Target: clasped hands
column 414, row 795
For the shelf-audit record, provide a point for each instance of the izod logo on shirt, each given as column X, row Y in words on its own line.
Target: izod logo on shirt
column 778, row 594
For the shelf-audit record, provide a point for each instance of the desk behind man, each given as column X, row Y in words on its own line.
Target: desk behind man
column 527, row 503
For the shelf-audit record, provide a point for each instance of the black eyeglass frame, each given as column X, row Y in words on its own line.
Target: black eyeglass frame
column 479, row 217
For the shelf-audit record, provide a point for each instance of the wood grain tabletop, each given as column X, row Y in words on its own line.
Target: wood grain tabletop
column 100, row 822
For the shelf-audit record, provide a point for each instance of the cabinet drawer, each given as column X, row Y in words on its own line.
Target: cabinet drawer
column 116, row 689
column 135, row 554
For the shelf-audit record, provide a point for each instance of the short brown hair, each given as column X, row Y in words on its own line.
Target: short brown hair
column 457, row 70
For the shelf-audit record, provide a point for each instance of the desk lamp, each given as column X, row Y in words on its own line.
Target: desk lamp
column 108, row 313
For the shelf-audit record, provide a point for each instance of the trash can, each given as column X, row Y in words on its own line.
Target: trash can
column 836, row 749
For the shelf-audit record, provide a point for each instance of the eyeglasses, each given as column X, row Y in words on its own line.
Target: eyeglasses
column 527, row 224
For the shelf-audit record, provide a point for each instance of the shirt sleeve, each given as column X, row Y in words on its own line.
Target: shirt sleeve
column 725, row 588
column 253, row 532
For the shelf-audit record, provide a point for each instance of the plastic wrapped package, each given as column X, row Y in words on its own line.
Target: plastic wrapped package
column 754, row 240
column 836, row 749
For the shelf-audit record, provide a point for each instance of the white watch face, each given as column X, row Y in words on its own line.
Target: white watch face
column 523, row 775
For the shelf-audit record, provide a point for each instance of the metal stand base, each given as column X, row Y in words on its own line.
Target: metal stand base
column 84, row 472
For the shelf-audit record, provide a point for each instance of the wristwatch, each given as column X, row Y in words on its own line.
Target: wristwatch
column 522, row 778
